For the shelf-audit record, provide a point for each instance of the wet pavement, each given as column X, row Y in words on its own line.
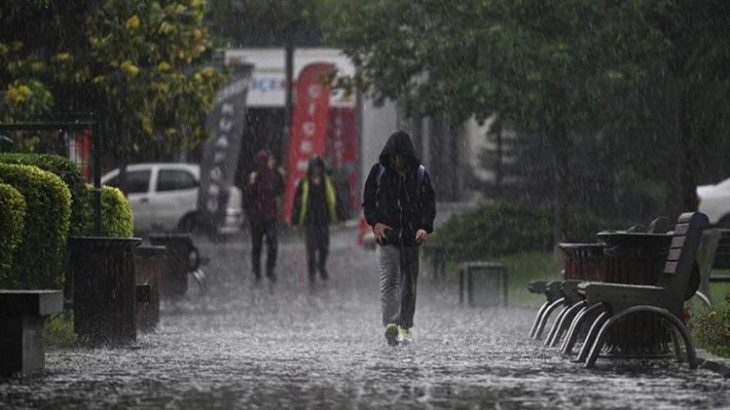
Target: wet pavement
column 289, row 347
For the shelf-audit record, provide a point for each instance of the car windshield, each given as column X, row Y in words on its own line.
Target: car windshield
column 137, row 182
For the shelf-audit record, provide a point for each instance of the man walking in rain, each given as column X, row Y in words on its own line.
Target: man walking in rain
column 399, row 204
column 260, row 191
column 315, row 207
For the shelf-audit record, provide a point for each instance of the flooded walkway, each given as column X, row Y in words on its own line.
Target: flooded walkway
column 287, row 347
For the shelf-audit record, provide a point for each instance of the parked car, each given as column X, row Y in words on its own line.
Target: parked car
column 714, row 201
column 164, row 197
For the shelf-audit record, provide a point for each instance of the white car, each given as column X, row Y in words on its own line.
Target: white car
column 714, row 201
column 164, row 197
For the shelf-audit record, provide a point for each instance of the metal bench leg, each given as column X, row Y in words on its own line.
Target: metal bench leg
column 572, row 336
column 545, row 317
column 565, row 321
column 591, row 336
column 675, row 341
column 662, row 314
column 540, row 312
column 556, row 324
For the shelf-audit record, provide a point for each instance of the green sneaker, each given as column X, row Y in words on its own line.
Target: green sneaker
column 404, row 335
column 391, row 334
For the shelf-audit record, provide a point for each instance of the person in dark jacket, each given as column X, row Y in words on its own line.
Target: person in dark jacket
column 399, row 204
column 260, row 192
column 315, row 207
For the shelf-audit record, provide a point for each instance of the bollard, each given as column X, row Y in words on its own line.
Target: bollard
column 22, row 320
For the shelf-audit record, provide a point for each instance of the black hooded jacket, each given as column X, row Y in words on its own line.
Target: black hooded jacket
column 395, row 198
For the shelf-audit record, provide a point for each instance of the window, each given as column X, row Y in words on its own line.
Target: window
column 138, row 182
column 175, row 179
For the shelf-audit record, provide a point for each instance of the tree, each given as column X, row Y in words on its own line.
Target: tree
column 547, row 67
column 692, row 41
column 138, row 64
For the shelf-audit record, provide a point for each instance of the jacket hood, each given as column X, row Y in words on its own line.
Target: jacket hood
column 399, row 143
column 316, row 161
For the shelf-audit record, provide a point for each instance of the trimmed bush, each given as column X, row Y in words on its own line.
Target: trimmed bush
column 68, row 172
column 711, row 329
column 508, row 228
column 116, row 214
column 38, row 260
column 12, row 212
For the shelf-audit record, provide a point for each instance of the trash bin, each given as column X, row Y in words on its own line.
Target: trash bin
column 180, row 254
column 104, row 289
column 583, row 261
column 484, row 283
column 149, row 265
column 638, row 259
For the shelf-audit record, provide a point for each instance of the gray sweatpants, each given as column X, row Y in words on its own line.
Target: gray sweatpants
column 398, row 276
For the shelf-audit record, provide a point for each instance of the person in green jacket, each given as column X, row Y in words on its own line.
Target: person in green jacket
column 315, row 208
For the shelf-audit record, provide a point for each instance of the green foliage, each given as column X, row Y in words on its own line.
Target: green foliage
column 139, row 64
column 711, row 329
column 59, row 331
column 509, row 228
column 266, row 23
column 117, row 220
column 12, row 212
column 67, row 171
column 38, row 259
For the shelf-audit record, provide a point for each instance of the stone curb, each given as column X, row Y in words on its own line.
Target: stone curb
column 713, row 363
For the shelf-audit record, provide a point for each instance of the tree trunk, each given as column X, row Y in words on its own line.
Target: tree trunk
column 687, row 158
column 561, row 154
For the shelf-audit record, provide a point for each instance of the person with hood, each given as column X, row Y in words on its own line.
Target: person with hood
column 315, row 207
column 260, row 191
column 399, row 204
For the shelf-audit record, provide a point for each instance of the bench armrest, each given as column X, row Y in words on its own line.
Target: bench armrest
column 619, row 294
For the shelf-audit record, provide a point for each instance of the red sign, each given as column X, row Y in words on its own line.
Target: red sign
column 309, row 127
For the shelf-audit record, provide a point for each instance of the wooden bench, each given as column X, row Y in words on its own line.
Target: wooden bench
column 666, row 303
column 23, row 315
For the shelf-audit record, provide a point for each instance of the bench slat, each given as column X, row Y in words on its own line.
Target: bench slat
column 681, row 229
column 670, row 267
column 674, row 254
column 678, row 241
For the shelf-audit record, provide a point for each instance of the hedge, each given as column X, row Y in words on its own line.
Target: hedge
column 38, row 260
column 116, row 214
column 508, row 228
column 68, row 172
column 12, row 212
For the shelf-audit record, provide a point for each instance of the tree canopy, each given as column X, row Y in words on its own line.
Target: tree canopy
column 642, row 78
column 139, row 64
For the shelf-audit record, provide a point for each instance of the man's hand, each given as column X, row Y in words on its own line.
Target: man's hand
column 252, row 178
column 379, row 230
column 421, row 236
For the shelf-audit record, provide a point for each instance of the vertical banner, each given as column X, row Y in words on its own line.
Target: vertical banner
column 225, row 124
column 309, row 127
column 342, row 153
